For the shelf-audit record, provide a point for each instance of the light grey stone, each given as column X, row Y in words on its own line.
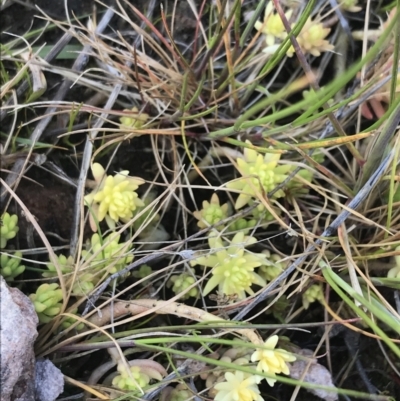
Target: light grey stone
column 18, row 333
column 49, row 381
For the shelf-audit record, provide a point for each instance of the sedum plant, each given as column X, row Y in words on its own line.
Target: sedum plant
column 139, row 375
column 232, row 266
column 84, row 284
column 8, row 229
column 242, row 224
column 114, row 198
column 261, row 214
column 113, row 254
column 312, row 294
column 132, row 380
column 260, row 174
column 181, row 282
column 212, row 212
column 273, row 268
column 69, row 321
column 47, row 301
column 66, row 264
column 112, row 258
column 311, row 39
column 142, row 272
column 10, row 266
column 180, row 393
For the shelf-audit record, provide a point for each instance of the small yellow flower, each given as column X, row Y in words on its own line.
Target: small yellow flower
column 134, row 119
column 233, row 266
column 114, row 198
column 211, row 213
column 260, row 174
column 239, row 386
column 272, row 361
column 272, row 26
column 312, row 39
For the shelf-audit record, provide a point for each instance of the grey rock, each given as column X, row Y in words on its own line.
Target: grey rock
column 18, row 333
column 310, row 371
column 49, row 381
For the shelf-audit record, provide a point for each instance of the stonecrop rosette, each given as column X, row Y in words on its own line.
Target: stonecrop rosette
column 114, row 198
column 260, row 174
column 233, row 266
column 212, row 212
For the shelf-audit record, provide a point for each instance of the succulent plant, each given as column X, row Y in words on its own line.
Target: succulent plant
column 10, row 266
column 114, row 254
column 260, row 175
column 212, row 212
column 180, row 393
column 232, row 266
column 8, row 228
column 143, row 272
column 312, row 294
column 47, row 301
column 69, row 321
column 114, row 198
column 238, row 386
column 181, row 282
column 273, row 268
column 66, row 264
column 139, row 375
column 84, row 284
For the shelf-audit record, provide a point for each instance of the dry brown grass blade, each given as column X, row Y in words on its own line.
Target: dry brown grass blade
column 13, row 179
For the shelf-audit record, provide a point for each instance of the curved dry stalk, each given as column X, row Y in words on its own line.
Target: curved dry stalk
column 146, row 306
